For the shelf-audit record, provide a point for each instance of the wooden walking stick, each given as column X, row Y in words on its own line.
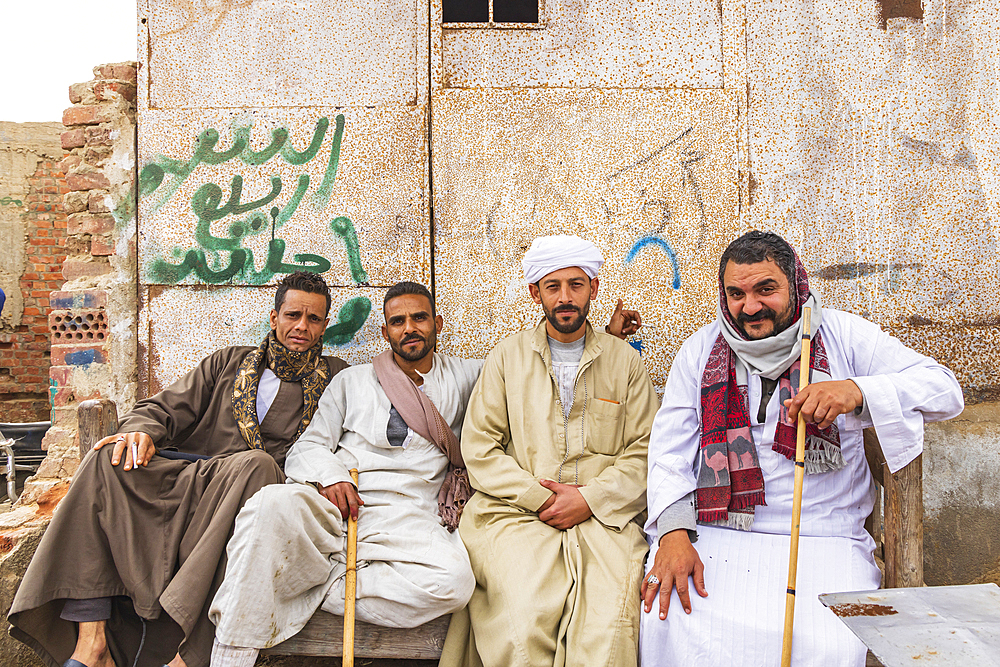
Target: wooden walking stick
column 800, row 469
column 350, row 584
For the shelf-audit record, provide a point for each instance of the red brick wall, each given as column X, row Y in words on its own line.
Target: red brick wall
column 77, row 319
column 24, row 354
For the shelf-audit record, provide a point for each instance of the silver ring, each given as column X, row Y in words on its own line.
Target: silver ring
column 121, row 438
column 653, row 580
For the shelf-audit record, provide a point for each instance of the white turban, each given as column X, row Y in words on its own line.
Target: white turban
column 551, row 253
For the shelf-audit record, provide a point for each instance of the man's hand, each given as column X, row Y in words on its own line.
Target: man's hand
column 345, row 497
column 675, row 561
column 624, row 323
column 822, row 402
column 137, row 447
column 565, row 508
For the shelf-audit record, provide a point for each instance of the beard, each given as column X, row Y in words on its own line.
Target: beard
column 574, row 324
column 417, row 353
column 781, row 321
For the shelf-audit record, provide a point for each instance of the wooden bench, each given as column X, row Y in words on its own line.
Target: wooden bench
column 896, row 524
column 323, row 634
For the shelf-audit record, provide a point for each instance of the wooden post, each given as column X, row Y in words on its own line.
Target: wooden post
column 96, row 419
column 800, row 470
column 904, row 526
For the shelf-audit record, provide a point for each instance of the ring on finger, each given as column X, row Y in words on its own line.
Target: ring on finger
column 652, row 579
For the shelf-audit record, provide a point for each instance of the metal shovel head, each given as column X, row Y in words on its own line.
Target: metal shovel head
column 939, row 625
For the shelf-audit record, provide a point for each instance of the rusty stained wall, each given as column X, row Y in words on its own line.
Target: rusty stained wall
column 297, row 169
column 874, row 151
column 646, row 175
column 283, row 53
column 593, row 44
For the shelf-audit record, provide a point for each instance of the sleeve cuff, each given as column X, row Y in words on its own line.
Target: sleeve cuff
column 678, row 515
column 534, row 497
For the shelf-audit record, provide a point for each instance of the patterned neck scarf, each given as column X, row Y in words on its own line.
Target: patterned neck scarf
column 307, row 367
column 730, row 482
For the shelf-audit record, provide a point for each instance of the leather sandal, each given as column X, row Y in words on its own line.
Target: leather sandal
column 73, row 663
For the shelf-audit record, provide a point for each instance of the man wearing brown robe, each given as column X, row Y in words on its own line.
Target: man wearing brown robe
column 142, row 531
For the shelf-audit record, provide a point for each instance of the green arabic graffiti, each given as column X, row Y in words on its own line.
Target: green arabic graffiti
column 223, row 258
column 7, row 201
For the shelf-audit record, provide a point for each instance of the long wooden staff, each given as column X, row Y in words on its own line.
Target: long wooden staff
column 800, row 469
column 351, row 584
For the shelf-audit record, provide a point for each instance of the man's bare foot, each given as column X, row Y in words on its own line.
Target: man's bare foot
column 92, row 646
column 178, row 661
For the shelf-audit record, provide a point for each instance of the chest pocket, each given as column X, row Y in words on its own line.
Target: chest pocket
column 605, row 426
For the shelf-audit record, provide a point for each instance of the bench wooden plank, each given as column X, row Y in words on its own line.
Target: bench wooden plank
column 904, row 526
column 324, row 632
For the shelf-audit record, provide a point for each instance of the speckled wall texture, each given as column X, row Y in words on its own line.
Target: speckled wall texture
column 377, row 145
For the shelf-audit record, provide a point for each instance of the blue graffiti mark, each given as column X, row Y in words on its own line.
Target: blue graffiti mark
column 637, row 345
column 662, row 243
column 82, row 358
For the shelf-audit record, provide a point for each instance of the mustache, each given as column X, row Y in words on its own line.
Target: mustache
column 413, row 337
column 762, row 314
column 567, row 309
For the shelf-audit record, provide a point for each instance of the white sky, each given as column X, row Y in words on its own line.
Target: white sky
column 49, row 44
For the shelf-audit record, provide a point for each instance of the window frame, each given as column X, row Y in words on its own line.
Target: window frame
column 493, row 25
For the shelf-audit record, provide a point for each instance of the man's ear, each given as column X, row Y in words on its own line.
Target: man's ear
column 438, row 323
column 385, row 333
column 536, row 296
column 274, row 319
column 594, row 284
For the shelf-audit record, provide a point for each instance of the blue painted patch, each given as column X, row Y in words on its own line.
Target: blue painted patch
column 661, row 242
column 85, row 300
column 637, row 344
column 82, row 358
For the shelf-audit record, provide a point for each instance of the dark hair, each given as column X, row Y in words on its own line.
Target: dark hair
column 407, row 287
column 757, row 246
column 303, row 281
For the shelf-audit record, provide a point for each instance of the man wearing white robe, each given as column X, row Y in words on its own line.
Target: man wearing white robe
column 741, row 575
column 287, row 556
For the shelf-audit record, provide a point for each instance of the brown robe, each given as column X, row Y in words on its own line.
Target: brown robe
column 154, row 538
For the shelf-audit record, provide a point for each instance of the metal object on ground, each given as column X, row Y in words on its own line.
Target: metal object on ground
column 940, row 625
column 21, row 445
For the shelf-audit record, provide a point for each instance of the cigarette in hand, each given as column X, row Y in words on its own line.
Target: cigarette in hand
column 135, row 455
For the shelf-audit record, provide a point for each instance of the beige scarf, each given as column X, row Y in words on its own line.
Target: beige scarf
column 420, row 415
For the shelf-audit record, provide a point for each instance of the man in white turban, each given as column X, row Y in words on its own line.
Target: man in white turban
column 555, row 441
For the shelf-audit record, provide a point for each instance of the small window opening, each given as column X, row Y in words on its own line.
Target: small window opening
column 492, row 13
column 899, row 9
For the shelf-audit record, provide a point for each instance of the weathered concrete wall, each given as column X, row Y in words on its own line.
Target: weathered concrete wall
column 647, row 175
column 33, row 238
column 875, row 152
column 315, row 159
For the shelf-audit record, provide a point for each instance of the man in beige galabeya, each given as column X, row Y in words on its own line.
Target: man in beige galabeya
column 555, row 441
